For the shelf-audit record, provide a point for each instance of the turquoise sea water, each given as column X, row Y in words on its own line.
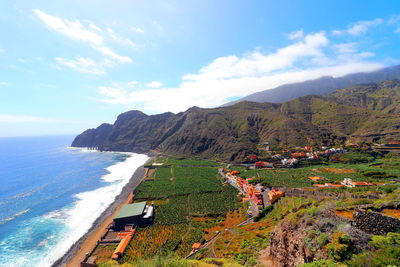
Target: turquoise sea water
column 51, row 194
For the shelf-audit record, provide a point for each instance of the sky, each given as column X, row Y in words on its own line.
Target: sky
column 66, row 66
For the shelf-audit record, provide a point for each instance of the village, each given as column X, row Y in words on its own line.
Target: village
column 125, row 223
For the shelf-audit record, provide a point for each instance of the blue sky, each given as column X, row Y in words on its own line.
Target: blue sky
column 70, row 65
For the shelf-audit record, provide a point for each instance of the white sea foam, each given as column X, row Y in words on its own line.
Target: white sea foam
column 12, row 217
column 89, row 205
column 83, row 149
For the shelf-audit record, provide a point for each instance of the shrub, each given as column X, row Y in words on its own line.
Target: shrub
column 323, row 263
column 387, row 252
column 378, row 174
column 256, row 181
column 263, row 212
column 340, row 248
column 322, row 240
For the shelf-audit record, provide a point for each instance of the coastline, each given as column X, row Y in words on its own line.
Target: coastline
column 77, row 252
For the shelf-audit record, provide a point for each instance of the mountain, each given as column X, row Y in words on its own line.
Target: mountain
column 366, row 112
column 320, row 86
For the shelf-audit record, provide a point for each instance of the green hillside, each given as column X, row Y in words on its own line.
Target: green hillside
column 360, row 113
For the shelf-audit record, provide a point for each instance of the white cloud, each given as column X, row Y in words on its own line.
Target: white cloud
column 72, row 29
column 111, row 54
column 256, row 63
column 358, row 28
column 212, row 93
column 3, row 84
column 94, row 27
column 394, row 19
column 8, row 118
column 137, row 30
column 309, row 57
column 120, row 39
column 154, row 84
column 345, row 48
column 84, row 65
column 90, row 34
column 296, row 35
column 114, row 95
column 1, row 50
column 133, row 83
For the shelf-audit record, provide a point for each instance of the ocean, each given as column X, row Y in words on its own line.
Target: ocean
column 50, row 195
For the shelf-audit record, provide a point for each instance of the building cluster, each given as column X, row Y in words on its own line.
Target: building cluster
column 347, row 182
column 253, row 193
column 291, row 158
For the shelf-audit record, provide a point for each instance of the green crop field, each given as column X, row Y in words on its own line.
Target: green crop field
column 184, row 190
column 333, row 172
column 176, row 181
column 190, row 162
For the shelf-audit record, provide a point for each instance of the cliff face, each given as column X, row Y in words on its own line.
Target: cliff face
column 93, row 137
column 233, row 132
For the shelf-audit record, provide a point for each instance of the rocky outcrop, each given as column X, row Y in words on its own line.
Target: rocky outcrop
column 93, row 137
column 287, row 246
column 294, row 241
column 374, row 222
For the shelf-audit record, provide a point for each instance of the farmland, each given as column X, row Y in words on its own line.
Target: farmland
column 182, row 192
column 331, row 172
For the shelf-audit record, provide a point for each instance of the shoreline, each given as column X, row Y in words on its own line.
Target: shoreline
column 77, row 252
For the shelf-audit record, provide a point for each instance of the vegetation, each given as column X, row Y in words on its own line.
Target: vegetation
column 380, row 170
column 340, row 248
column 173, row 261
column 263, row 212
column 385, row 252
column 365, row 113
column 181, row 192
column 193, row 205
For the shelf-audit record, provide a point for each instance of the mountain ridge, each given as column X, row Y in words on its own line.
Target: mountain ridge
column 360, row 113
column 320, row 86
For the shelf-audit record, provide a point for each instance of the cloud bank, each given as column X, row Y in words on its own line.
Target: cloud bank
column 308, row 56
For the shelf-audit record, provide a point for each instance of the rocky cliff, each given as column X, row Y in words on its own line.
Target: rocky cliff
column 305, row 239
column 368, row 112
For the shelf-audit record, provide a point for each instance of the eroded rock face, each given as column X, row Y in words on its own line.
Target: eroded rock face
column 287, row 247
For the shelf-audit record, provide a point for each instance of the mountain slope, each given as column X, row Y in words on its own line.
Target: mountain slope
column 231, row 133
column 320, row 86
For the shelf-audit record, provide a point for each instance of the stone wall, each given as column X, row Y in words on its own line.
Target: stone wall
column 374, row 223
column 316, row 194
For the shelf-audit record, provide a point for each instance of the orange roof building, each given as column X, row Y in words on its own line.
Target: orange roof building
column 274, row 195
column 196, row 246
column 315, row 178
